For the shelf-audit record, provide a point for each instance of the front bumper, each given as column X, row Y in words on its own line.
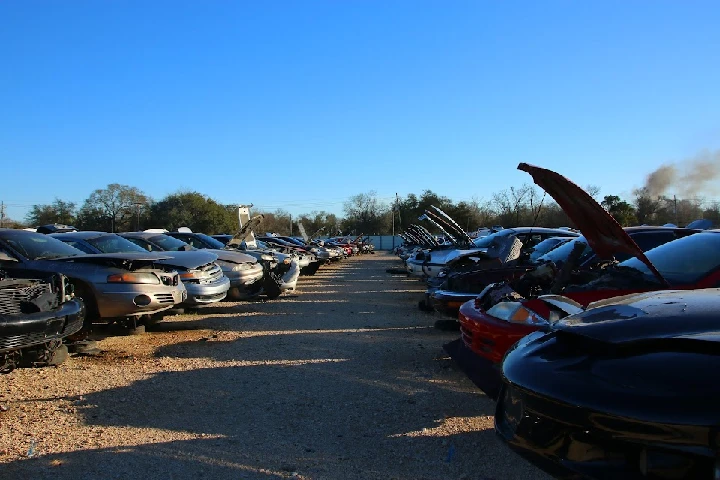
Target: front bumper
column 448, row 303
column 116, row 300
column 246, row 277
column 572, row 442
column 207, row 293
column 486, row 335
column 27, row 330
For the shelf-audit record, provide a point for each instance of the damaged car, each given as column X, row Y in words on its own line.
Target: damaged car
column 37, row 311
column 243, row 272
column 622, row 389
column 202, row 276
column 502, row 314
column 124, row 288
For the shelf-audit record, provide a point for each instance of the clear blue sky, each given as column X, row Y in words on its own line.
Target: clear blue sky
column 300, row 104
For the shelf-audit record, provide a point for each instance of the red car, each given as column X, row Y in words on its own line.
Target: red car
column 490, row 328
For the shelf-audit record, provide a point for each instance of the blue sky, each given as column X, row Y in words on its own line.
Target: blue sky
column 301, row 104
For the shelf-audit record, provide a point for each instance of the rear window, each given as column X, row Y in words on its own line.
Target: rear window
column 683, row 261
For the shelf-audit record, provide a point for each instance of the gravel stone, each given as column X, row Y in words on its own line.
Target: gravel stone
column 344, row 378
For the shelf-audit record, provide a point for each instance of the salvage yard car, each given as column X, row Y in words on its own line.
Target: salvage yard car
column 624, row 389
column 202, row 277
column 116, row 288
column 37, row 310
column 243, row 272
column 500, row 316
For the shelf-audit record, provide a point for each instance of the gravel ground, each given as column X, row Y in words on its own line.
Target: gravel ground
column 344, row 378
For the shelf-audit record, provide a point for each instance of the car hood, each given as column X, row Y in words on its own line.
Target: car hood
column 232, row 256
column 603, row 233
column 648, row 317
column 245, row 231
column 186, row 259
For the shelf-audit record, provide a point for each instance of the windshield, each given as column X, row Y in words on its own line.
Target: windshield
column 210, row 241
column 485, row 242
column 682, row 261
column 114, row 244
column 545, row 246
column 36, row 246
column 560, row 254
column 168, row 243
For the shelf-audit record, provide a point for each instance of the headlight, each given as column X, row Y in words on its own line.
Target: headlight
column 189, row 275
column 287, row 261
column 515, row 312
column 146, row 278
column 268, row 258
column 240, row 267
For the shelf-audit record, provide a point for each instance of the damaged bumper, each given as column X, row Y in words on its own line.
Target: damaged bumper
column 27, row 330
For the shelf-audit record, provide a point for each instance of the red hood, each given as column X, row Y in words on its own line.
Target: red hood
column 602, row 232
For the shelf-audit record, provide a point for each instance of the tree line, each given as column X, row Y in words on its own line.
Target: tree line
column 126, row 208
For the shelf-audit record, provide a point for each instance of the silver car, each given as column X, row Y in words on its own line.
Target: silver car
column 202, row 277
column 244, row 274
column 115, row 287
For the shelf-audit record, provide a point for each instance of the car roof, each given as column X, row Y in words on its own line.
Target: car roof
column 560, row 232
column 83, row 235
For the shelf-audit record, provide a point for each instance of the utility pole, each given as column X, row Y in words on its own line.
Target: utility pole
column 291, row 224
column 2, row 214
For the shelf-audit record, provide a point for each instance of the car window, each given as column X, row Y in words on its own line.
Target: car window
column 114, row 244
column 682, row 261
column 168, row 243
column 36, row 246
column 208, row 241
column 79, row 246
column 142, row 244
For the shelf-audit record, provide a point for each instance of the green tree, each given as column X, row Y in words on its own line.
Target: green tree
column 622, row 211
column 59, row 211
column 193, row 210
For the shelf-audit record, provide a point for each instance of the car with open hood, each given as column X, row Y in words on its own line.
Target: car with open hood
column 37, row 311
column 500, row 316
column 436, row 260
column 541, row 275
column 117, row 287
column 202, row 276
column 307, row 261
column 243, row 271
column 623, row 389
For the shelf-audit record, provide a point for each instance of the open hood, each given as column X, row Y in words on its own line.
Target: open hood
column 652, row 316
column 245, row 231
column 603, row 233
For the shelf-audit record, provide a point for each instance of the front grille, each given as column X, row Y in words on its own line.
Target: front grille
column 12, row 342
column 214, row 273
column 165, row 298
column 15, row 292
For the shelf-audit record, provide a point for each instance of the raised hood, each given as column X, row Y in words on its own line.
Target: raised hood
column 245, row 231
column 603, row 233
column 649, row 317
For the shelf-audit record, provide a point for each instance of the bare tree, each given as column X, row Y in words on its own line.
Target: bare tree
column 116, row 203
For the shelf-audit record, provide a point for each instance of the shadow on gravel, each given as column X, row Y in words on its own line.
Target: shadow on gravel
column 304, row 424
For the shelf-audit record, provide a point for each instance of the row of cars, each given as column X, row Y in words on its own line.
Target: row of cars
column 598, row 345
column 56, row 282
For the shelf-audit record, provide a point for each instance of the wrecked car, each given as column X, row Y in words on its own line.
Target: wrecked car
column 202, row 277
column 541, row 276
column 308, row 263
column 501, row 315
column 119, row 288
column 623, row 389
column 37, row 310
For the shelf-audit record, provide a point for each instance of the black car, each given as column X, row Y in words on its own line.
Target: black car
column 625, row 389
column 37, row 310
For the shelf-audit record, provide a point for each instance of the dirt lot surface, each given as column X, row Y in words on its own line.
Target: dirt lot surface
column 344, row 378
